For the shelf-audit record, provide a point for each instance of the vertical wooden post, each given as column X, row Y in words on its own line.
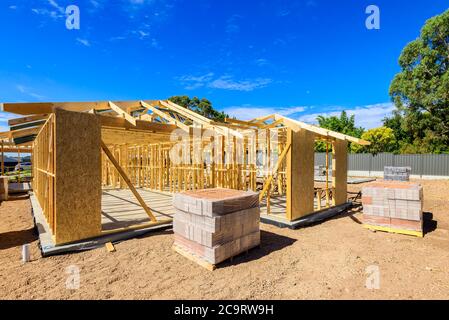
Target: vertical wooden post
column 318, row 199
column 255, row 160
column 279, row 175
column 212, row 162
column 245, row 162
column 18, row 162
column 268, row 141
column 339, row 172
column 327, row 175
column 222, row 164
column 3, row 161
column 234, row 180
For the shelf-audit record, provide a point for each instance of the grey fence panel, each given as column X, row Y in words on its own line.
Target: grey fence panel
column 359, row 162
column 435, row 164
column 320, row 159
column 409, row 160
column 379, row 161
column 421, row 164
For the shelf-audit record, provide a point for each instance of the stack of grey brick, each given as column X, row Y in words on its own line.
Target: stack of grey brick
column 397, row 173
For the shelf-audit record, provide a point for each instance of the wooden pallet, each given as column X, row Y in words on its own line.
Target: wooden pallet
column 418, row 234
column 209, row 266
column 194, row 258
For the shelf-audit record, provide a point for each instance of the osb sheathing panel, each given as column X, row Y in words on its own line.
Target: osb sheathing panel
column 340, row 171
column 300, row 181
column 78, row 176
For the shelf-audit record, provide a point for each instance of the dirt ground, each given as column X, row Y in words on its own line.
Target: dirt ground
column 326, row 261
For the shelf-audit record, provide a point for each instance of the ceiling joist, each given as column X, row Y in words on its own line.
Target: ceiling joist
column 165, row 117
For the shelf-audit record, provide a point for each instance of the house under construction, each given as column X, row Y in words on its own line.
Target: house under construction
column 102, row 168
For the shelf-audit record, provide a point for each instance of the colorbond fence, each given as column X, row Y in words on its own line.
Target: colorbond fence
column 422, row 164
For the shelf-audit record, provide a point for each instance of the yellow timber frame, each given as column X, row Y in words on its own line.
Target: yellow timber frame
column 129, row 144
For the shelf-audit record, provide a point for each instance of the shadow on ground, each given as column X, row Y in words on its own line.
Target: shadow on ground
column 17, row 238
column 269, row 242
column 429, row 225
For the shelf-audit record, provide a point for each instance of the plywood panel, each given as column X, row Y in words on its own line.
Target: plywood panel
column 300, row 174
column 340, row 171
column 78, row 176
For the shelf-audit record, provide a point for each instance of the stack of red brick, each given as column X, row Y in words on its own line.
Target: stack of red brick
column 216, row 224
column 396, row 205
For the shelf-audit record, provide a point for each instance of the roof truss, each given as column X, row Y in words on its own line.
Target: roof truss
column 154, row 116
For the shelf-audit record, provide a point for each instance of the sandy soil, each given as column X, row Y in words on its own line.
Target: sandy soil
column 325, row 261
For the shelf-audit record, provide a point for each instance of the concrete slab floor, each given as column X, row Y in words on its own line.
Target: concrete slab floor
column 119, row 207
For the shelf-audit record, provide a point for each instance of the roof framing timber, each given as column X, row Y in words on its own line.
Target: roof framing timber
column 244, row 123
column 16, row 149
column 122, row 113
column 298, row 125
column 166, row 116
column 114, row 122
column 18, row 121
column 19, row 133
column 35, row 108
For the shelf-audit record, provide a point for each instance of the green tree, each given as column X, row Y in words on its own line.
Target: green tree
column 421, row 90
column 342, row 124
column 382, row 140
column 201, row 106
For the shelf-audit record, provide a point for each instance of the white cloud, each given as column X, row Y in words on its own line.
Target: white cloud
column 55, row 5
column 29, row 92
column 261, row 62
column 155, row 44
column 95, row 3
column 227, row 83
column 84, row 42
column 283, row 13
column 143, row 34
column 55, row 11
column 118, row 38
column 247, row 111
column 368, row 117
column 45, row 12
column 232, row 24
column 194, row 82
column 191, row 82
column 12, row 7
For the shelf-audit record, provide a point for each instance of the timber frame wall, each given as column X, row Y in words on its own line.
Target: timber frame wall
column 66, row 167
column 81, row 148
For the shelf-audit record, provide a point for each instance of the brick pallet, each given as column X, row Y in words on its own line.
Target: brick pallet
column 214, row 225
column 393, row 207
column 397, row 173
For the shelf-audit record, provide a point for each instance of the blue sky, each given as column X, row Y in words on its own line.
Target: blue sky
column 298, row 58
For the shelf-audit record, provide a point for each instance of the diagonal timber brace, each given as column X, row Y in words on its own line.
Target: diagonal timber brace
column 127, row 181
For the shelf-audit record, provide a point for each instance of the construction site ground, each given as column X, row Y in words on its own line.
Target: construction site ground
column 331, row 260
